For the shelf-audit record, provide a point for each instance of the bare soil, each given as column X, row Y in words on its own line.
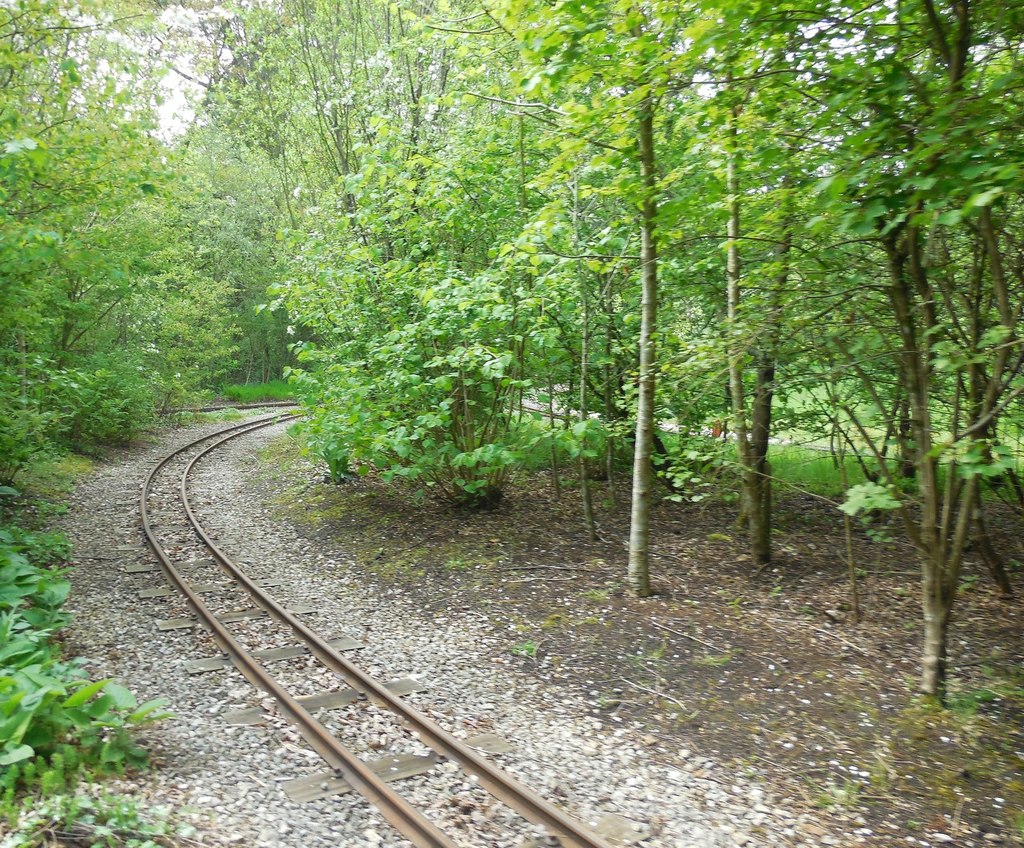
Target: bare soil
column 765, row 671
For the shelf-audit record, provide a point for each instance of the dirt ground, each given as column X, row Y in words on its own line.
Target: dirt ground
column 766, row 671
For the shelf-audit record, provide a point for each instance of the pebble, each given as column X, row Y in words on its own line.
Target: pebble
column 591, row 766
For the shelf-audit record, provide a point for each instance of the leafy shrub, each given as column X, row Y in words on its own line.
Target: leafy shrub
column 46, row 549
column 24, row 430
column 449, row 425
column 432, row 401
column 47, row 703
column 108, row 400
column 36, row 593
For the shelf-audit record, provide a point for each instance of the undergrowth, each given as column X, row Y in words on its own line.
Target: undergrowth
column 74, row 819
column 58, row 728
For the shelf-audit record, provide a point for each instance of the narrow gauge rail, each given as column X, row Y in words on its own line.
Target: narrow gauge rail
column 400, row 813
column 269, row 404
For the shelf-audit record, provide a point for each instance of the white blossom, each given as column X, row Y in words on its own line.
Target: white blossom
column 178, row 17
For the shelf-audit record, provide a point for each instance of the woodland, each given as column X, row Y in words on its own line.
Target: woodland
column 641, row 248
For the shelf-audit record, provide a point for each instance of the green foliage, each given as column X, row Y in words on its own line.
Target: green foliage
column 47, row 703
column 866, row 497
column 691, row 470
column 122, row 288
column 458, row 235
column 23, row 437
column 274, row 390
column 111, row 821
column 37, row 591
column 434, row 401
column 109, row 399
column 525, row 649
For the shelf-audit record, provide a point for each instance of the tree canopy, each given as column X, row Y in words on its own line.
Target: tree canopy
column 488, row 238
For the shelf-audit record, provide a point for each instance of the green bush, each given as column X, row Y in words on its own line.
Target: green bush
column 48, row 409
column 25, row 431
column 447, row 423
column 35, row 593
column 107, row 400
column 47, row 703
column 433, row 401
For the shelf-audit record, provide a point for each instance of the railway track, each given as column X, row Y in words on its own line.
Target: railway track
column 241, row 407
column 371, row 780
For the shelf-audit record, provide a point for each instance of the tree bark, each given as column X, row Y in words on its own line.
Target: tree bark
column 610, row 412
column 638, row 572
column 587, row 502
column 993, row 561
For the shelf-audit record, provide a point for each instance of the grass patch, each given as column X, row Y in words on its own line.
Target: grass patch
column 51, row 479
column 812, row 470
column 187, row 418
column 256, row 392
column 714, row 660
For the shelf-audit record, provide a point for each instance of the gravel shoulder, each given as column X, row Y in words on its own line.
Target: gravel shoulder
column 227, row 779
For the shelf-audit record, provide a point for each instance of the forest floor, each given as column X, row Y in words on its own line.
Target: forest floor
column 764, row 670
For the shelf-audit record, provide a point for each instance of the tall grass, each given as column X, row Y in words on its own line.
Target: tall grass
column 255, row 392
column 812, row 470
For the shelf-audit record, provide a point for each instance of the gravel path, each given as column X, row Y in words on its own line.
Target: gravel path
column 230, row 776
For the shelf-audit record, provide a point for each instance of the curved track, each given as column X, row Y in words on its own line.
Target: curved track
column 405, row 818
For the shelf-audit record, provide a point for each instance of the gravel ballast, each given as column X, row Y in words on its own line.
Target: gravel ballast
column 228, row 779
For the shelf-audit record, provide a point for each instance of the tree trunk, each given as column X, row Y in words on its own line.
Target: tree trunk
column 989, row 555
column 757, row 478
column 609, row 393
column 587, row 503
column 751, row 443
column 638, row 573
column 936, row 625
column 946, row 515
column 907, row 468
column 556, row 484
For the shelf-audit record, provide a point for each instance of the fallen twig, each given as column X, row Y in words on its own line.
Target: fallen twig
column 655, row 692
column 767, row 659
column 543, row 568
column 688, row 636
column 839, row 638
column 954, row 828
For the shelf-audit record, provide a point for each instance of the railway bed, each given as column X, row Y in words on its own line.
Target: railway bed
column 245, row 627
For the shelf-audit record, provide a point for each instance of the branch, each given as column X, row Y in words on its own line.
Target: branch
column 465, row 31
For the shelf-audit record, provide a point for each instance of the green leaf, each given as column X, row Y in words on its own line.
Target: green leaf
column 84, row 693
column 867, row 497
column 983, row 198
column 120, row 697
column 18, row 145
column 147, row 712
column 16, row 754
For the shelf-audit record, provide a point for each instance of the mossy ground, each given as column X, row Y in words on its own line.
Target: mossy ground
column 53, row 478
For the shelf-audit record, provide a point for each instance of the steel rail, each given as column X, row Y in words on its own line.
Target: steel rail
column 571, row 832
column 270, row 404
column 400, row 813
